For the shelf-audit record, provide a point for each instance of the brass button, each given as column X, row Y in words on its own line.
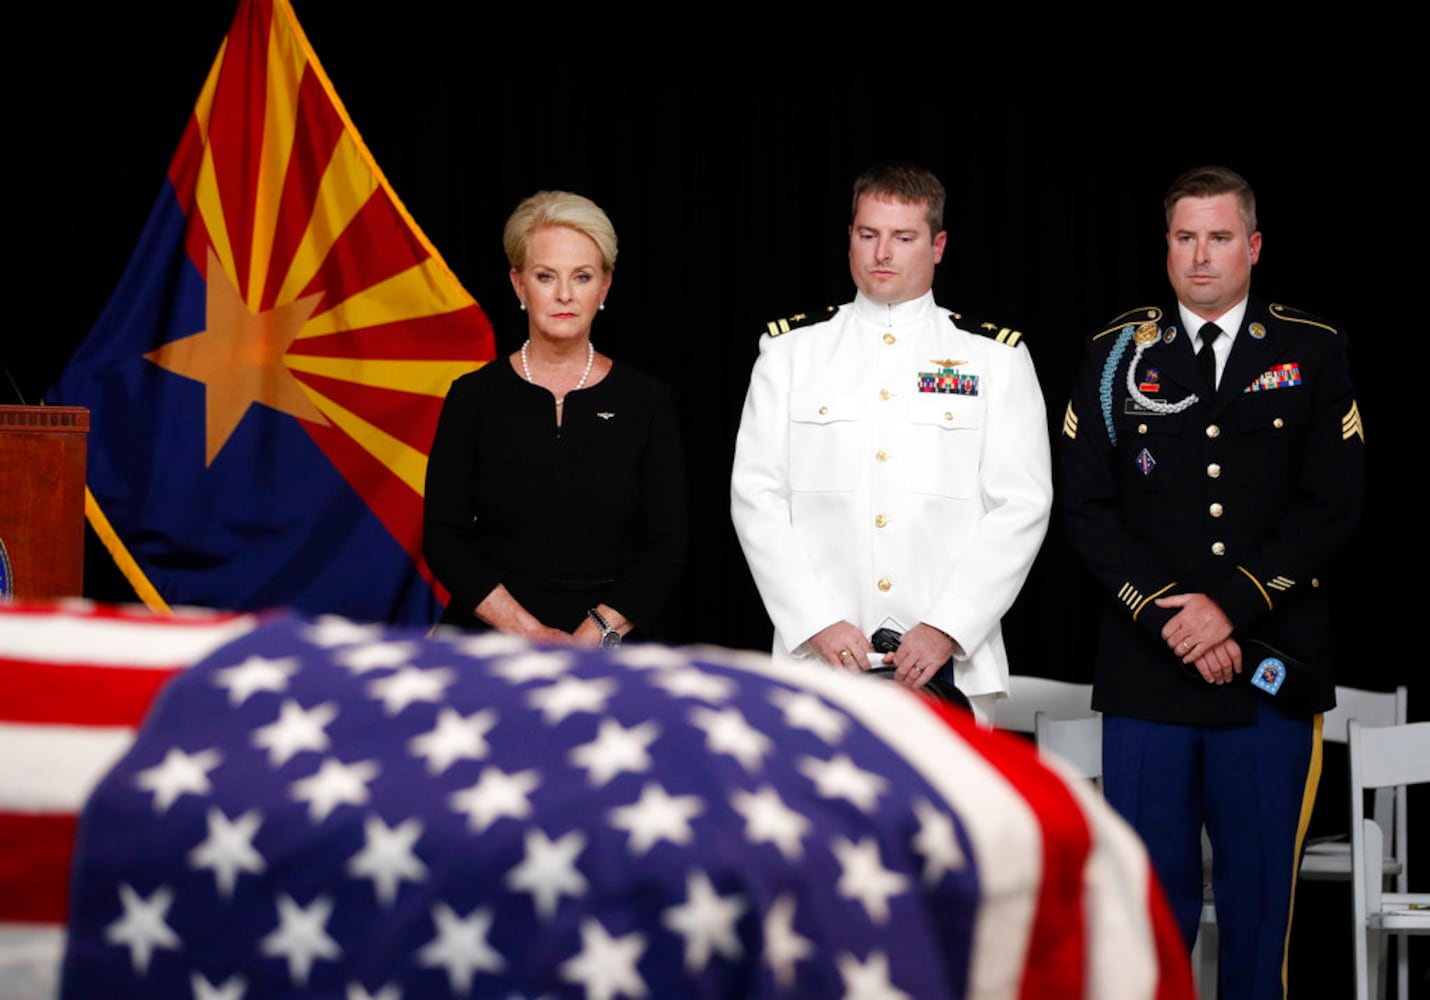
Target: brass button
column 884, row 583
column 881, row 455
column 1141, row 428
column 1213, row 431
column 884, row 394
column 1214, row 470
column 823, row 410
column 947, row 415
column 1215, row 510
column 880, row 520
column 888, row 338
column 1278, row 423
column 1218, row 548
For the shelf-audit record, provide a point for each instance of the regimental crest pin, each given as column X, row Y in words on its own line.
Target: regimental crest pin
column 1270, row 675
column 1170, row 335
column 1257, row 331
column 1145, row 462
column 1151, row 382
column 605, row 414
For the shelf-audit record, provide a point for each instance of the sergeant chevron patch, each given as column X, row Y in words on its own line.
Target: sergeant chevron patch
column 1351, row 425
column 1070, row 423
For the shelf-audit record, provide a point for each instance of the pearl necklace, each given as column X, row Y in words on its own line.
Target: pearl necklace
column 590, row 359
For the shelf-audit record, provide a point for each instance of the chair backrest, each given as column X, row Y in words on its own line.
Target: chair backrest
column 1380, row 757
column 1369, row 708
column 1077, row 742
column 1028, row 695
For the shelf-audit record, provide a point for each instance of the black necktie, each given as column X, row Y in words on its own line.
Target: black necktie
column 1206, row 357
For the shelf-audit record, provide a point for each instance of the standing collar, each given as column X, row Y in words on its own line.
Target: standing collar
column 912, row 311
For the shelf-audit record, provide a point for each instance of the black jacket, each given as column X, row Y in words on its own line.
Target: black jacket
column 1246, row 497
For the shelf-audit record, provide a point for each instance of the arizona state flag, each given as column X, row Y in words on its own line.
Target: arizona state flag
column 265, row 382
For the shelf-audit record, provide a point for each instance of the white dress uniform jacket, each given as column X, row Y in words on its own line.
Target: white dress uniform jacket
column 857, row 496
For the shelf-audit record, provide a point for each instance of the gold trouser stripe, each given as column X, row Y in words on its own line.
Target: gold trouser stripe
column 1308, row 802
column 1138, row 610
column 1257, row 584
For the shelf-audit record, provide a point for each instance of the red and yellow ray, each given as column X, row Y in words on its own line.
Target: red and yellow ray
column 325, row 301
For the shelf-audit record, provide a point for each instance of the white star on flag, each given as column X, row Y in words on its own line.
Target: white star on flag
column 606, row 966
column 179, row 773
column 356, row 991
column 706, row 920
column 548, row 870
column 408, row 685
column 296, row 729
column 255, row 674
column 804, row 710
column 228, row 849
column 868, row 980
column 454, row 738
column 142, row 927
column 726, row 731
column 570, row 695
column 649, row 656
column 937, row 842
column 232, row 988
column 769, row 820
column 386, row 856
column 841, row 779
column 330, row 631
column 533, row 666
column 377, row 656
column 300, row 937
column 658, row 815
column 489, row 644
column 333, row 785
column 496, row 795
column 865, row 878
column 461, row 947
column 689, row 683
column 616, row 749
column 783, row 947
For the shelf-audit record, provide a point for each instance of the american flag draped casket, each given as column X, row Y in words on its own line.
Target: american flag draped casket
column 327, row 809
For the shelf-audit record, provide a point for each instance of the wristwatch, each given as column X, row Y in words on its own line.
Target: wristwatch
column 610, row 638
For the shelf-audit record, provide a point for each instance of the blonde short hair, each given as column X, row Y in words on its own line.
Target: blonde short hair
column 558, row 208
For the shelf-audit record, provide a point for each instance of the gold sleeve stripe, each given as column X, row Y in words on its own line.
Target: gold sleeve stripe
column 1257, row 583
column 1129, row 595
column 1070, row 423
column 1351, row 425
column 1138, row 610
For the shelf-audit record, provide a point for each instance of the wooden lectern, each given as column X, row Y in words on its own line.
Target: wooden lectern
column 42, row 451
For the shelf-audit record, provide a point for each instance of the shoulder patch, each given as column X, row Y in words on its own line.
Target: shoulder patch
column 1145, row 314
column 775, row 327
column 1002, row 334
column 1294, row 315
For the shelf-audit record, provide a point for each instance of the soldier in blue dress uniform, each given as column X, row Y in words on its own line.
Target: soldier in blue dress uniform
column 1211, row 466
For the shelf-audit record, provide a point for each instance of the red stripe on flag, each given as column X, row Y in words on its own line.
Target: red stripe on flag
column 461, row 335
column 408, row 416
column 1057, row 944
column 35, row 854
column 376, row 244
column 236, row 132
column 316, row 132
column 78, row 695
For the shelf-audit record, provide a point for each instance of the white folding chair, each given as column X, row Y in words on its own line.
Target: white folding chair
column 1329, row 858
column 1384, row 757
column 1028, row 695
column 1077, row 743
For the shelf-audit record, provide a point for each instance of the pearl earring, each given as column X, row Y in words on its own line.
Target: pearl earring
column 602, row 306
column 523, row 307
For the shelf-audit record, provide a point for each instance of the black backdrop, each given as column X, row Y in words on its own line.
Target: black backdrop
column 723, row 145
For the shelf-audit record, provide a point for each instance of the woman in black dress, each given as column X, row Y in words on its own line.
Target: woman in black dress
column 555, row 496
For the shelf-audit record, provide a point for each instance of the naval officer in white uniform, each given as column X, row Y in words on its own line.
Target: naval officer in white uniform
column 892, row 468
